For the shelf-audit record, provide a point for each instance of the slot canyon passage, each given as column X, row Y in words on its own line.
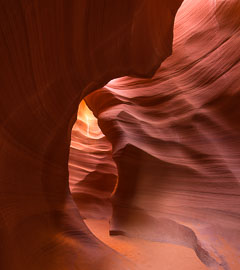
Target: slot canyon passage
column 144, row 173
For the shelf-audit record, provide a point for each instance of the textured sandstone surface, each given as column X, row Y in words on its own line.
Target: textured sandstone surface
column 171, row 142
column 52, row 54
column 176, row 139
column 92, row 171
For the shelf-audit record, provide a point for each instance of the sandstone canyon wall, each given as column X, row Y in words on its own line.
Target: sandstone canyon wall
column 52, row 54
column 174, row 138
column 92, row 171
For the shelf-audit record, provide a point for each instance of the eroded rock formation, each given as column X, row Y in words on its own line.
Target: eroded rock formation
column 176, row 139
column 53, row 53
column 92, row 171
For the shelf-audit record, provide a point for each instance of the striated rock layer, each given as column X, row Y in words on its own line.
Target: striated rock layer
column 176, row 139
column 92, row 171
column 52, row 54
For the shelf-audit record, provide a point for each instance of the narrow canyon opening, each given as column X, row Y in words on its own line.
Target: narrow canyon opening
column 92, row 171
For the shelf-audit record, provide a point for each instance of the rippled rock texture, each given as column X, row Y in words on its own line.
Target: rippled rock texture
column 176, row 139
column 52, row 54
column 92, row 171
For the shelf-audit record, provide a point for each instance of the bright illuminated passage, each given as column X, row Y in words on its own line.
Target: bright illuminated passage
column 87, row 123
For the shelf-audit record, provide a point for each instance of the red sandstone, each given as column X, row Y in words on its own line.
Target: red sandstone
column 169, row 134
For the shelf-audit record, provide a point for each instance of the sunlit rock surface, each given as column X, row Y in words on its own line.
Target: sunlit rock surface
column 92, row 171
column 176, row 139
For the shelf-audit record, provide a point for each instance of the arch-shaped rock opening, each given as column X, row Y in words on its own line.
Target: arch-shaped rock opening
column 92, row 171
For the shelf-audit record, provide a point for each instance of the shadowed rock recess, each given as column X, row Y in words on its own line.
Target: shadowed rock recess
column 143, row 174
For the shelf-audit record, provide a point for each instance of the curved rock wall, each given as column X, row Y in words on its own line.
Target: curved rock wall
column 176, row 139
column 52, row 54
column 92, row 171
